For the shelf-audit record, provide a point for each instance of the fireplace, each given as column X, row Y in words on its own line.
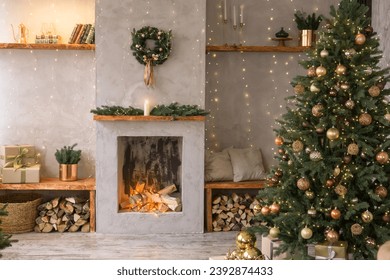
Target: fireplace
column 149, row 176
column 149, row 171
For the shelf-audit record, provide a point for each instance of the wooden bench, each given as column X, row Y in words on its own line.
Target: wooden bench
column 210, row 186
column 55, row 184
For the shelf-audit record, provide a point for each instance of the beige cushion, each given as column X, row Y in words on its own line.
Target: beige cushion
column 218, row 166
column 247, row 164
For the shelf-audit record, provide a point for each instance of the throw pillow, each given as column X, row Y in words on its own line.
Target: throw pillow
column 247, row 164
column 218, row 166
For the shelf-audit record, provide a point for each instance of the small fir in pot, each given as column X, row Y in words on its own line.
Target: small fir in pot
column 68, row 158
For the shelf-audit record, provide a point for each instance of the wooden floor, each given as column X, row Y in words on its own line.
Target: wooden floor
column 96, row 246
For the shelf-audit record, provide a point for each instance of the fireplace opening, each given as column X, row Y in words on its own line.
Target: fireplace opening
column 149, row 174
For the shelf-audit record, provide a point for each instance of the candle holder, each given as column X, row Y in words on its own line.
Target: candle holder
column 241, row 25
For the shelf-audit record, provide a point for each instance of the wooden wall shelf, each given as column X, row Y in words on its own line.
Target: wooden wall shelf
column 47, row 46
column 57, row 185
column 235, row 48
column 148, row 118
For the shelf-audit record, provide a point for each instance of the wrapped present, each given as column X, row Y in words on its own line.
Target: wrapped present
column 331, row 251
column 29, row 174
column 17, row 156
column 269, row 246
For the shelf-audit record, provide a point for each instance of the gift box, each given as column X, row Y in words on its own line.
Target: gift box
column 331, row 251
column 269, row 246
column 21, row 175
column 17, row 155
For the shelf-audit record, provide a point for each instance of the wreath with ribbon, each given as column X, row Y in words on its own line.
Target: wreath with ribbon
column 151, row 56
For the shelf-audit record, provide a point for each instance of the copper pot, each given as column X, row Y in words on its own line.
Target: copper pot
column 68, row 172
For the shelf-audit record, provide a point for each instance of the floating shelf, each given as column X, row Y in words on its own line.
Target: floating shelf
column 235, row 48
column 47, row 46
column 148, row 118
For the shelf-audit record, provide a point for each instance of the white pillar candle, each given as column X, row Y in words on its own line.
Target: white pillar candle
column 242, row 14
column 224, row 10
column 234, row 16
column 146, row 107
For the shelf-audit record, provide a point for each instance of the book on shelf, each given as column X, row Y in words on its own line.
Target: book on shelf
column 75, row 33
column 82, row 34
column 91, row 35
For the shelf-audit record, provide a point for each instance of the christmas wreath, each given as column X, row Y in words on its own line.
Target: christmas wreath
column 151, row 56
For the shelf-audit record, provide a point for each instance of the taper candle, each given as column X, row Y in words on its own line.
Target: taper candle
column 146, row 107
column 242, row 15
column 234, row 16
column 224, row 10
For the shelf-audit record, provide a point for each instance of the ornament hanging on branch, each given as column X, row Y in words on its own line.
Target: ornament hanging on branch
column 332, row 133
column 297, row 146
column 324, row 53
column 299, row 89
column 356, row 229
column 320, row 71
column 360, row 39
column 365, row 119
column 341, row 69
column 381, row 191
column 155, row 54
column 306, row 233
column 303, row 184
column 350, row 104
column 367, row 217
column 353, row 149
column 350, row 53
column 382, row 157
column 332, row 236
column 374, row 91
column 311, row 72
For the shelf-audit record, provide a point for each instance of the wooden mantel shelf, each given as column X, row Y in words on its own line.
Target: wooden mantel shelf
column 47, row 46
column 148, row 118
column 235, row 48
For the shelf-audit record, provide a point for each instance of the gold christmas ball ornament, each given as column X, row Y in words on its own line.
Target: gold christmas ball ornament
column 382, row 157
column 360, row 39
column 309, row 194
column 280, row 151
column 341, row 69
column 235, row 255
column 252, row 254
column 332, row 133
column 369, row 30
column 306, row 233
column 297, row 146
column 257, row 209
column 274, row 232
column 365, row 119
column 274, row 208
column 353, row 149
column 245, row 239
column 314, row 88
column 315, row 156
column 356, row 229
column 320, row 71
column 324, row 53
column 265, row 210
column 341, row 190
column 333, row 92
column 387, row 117
column 370, row 242
column 344, row 86
column 386, row 217
column 312, row 212
column 374, row 91
column 336, row 171
column 317, row 110
column 335, row 214
column 299, row 89
column 303, row 184
column 311, row 72
column 320, row 130
column 367, row 217
column 381, row 191
column 279, row 173
column 332, row 236
column 279, row 141
column 347, row 159
column 350, row 53
column 329, row 183
column 350, row 104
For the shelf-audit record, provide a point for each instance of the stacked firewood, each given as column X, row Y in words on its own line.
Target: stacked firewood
column 63, row 214
column 233, row 212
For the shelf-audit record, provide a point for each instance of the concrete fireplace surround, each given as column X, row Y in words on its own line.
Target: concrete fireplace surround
column 190, row 220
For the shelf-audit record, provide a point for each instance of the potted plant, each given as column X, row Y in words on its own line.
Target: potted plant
column 68, row 158
column 307, row 24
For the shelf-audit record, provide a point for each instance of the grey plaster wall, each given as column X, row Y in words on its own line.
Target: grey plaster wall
column 381, row 25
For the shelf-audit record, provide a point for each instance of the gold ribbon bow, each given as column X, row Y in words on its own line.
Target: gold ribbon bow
column 17, row 161
column 148, row 73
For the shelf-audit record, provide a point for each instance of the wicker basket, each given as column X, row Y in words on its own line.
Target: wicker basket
column 22, row 212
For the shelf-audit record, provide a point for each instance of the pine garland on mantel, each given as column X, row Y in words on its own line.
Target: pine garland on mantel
column 173, row 109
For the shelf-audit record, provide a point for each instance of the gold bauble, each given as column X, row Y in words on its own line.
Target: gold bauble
column 314, row 88
column 309, row 194
column 374, row 91
column 386, row 217
column 356, row 229
column 235, row 255
column 367, row 216
column 381, row 191
column 297, row 146
column 382, row 157
column 387, row 117
column 252, row 254
column 274, row 208
column 311, row 72
column 369, row 30
column 341, row 69
column 306, row 233
column 341, row 190
column 370, row 242
column 299, row 89
column 324, row 53
column 333, row 92
column 303, row 184
column 332, row 236
column 329, row 183
column 350, row 104
column 320, row 71
column 365, row 119
column 332, row 133
column 257, row 209
column 320, row 130
column 312, row 212
column 347, row 159
column 274, row 232
column 335, row 214
column 353, row 149
column 279, row 141
column 265, row 210
column 315, row 156
column 360, row 39
column 336, row 171
column 245, row 239
column 344, row 86
column 279, row 173
column 317, row 110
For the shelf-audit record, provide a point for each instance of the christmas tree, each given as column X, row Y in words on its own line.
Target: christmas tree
column 332, row 175
column 4, row 238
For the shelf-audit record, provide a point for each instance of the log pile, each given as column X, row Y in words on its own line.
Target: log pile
column 145, row 198
column 63, row 214
column 233, row 212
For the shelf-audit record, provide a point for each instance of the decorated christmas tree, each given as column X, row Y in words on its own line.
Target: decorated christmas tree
column 4, row 238
column 331, row 180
